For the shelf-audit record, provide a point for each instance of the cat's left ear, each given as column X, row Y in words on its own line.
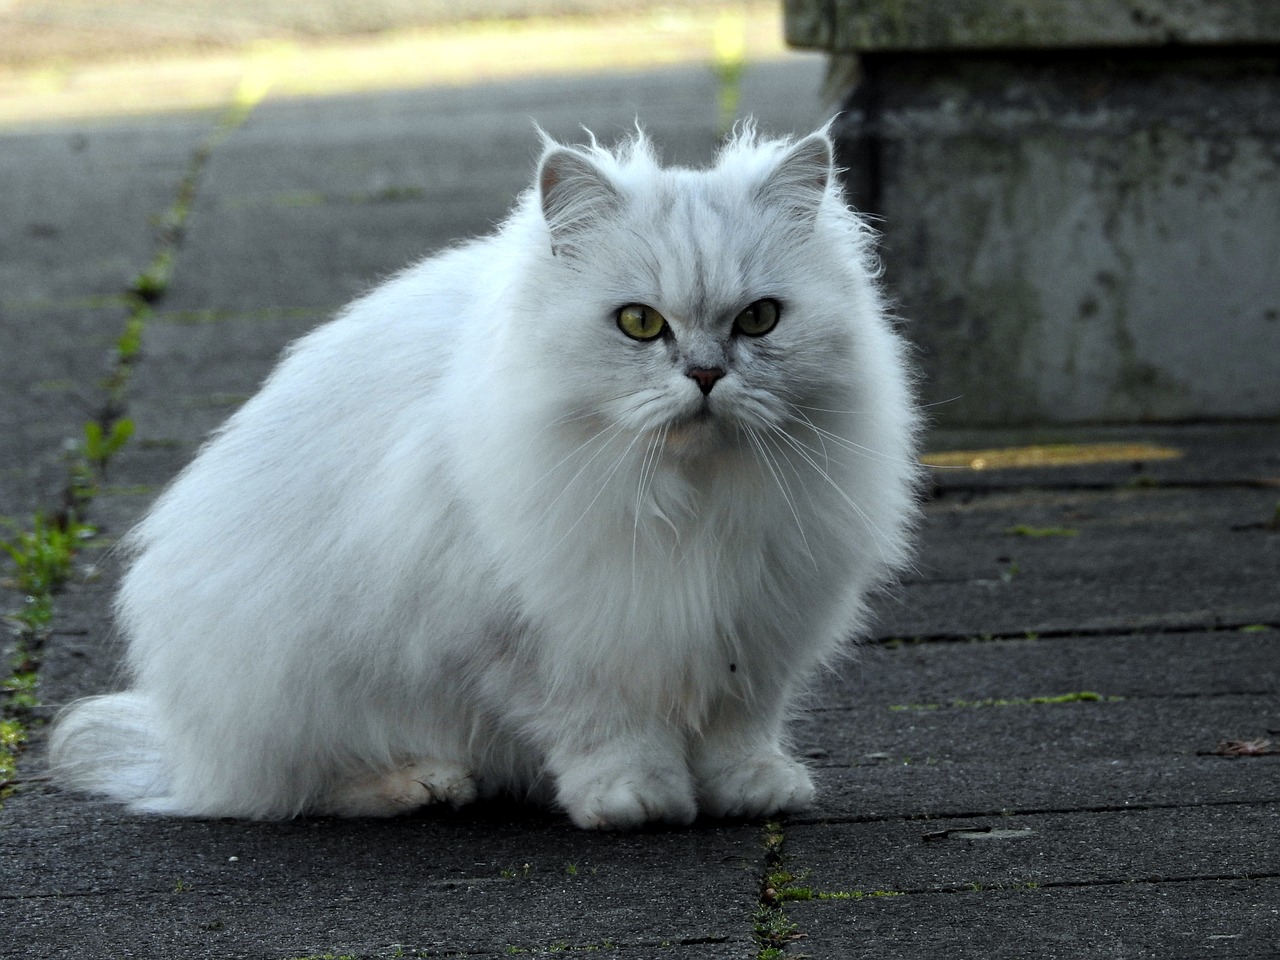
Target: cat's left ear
column 800, row 180
column 574, row 192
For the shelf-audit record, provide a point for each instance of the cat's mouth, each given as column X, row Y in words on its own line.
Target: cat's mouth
column 695, row 431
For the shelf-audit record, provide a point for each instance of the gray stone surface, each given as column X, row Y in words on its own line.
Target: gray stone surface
column 53, row 361
column 1222, row 918
column 491, row 882
column 80, row 208
column 1140, row 838
column 859, row 26
column 1079, row 238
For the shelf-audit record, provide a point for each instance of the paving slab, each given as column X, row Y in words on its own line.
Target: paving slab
column 1194, row 664
column 51, row 368
column 1035, row 850
column 1194, row 921
column 910, row 786
column 1082, row 561
column 81, row 206
column 498, row 881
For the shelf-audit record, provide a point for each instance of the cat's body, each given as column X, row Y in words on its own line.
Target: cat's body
column 483, row 533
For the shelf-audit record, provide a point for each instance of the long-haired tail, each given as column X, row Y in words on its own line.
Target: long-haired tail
column 109, row 746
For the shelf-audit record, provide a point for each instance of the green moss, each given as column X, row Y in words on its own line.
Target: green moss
column 152, row 282
column 771, row 928
column 858, row 894
column 299, row 198
column 1023, row 530
column 1081, row 696
column 19, row 691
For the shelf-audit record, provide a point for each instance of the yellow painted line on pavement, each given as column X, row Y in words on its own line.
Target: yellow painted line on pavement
column 1050, row 455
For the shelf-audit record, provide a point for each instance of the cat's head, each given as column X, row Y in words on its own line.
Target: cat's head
column 699, row 305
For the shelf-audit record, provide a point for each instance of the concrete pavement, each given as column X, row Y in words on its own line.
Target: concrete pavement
column 1029, row 759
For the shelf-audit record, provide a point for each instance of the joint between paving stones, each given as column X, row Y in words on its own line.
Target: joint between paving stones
column 801, row 821
column 772, row 929
column 1055, row 633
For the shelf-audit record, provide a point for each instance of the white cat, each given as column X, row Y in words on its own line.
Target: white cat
column 570, row 512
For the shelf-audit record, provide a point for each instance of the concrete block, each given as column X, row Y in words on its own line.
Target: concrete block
column 1080, row 239
column 859, row 26
column 1079, row 223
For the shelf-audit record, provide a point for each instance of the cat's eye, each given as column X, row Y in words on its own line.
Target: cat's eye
column 758, row 319
column 640, row 322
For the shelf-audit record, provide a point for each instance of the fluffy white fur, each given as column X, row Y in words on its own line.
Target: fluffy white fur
column 472, row 539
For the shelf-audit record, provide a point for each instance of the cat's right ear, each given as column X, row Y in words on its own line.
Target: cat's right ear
column 574, row 192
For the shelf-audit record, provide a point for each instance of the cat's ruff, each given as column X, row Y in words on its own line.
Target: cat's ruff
column 570, row 512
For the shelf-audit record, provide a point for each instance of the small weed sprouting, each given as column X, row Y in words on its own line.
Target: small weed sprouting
column 42, row 560
column 18, row 692
column 772, row 932
column 771, row 927
column 42, row 556
column 151, row 284
column 101, row 445
column 129, row 343
column 13, row 736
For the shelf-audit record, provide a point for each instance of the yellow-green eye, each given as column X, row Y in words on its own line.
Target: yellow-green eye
column 758, row 319
column 640, row 322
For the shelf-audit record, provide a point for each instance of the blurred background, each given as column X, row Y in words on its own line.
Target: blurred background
column 37, row 31
column 1078, row 199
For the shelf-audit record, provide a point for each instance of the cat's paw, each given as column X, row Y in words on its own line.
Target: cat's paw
column 393, row 792
column 756, row 786
column 623, row 798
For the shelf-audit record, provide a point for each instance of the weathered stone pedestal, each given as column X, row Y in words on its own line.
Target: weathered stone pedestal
column 1080, row 200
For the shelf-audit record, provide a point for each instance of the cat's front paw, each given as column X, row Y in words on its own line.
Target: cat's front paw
column 624, row 798
column 756, row 786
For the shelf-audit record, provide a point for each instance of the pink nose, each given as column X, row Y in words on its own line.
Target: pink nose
column 706, row 377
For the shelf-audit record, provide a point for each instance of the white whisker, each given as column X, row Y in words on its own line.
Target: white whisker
column 608, row 477
column 770, row 464
column 648, row 471
column 846, row 443
column 878, row 535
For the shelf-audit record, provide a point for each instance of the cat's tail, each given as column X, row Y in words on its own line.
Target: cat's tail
column 109, row 745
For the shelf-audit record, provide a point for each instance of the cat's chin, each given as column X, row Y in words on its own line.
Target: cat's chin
column 697, row 436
